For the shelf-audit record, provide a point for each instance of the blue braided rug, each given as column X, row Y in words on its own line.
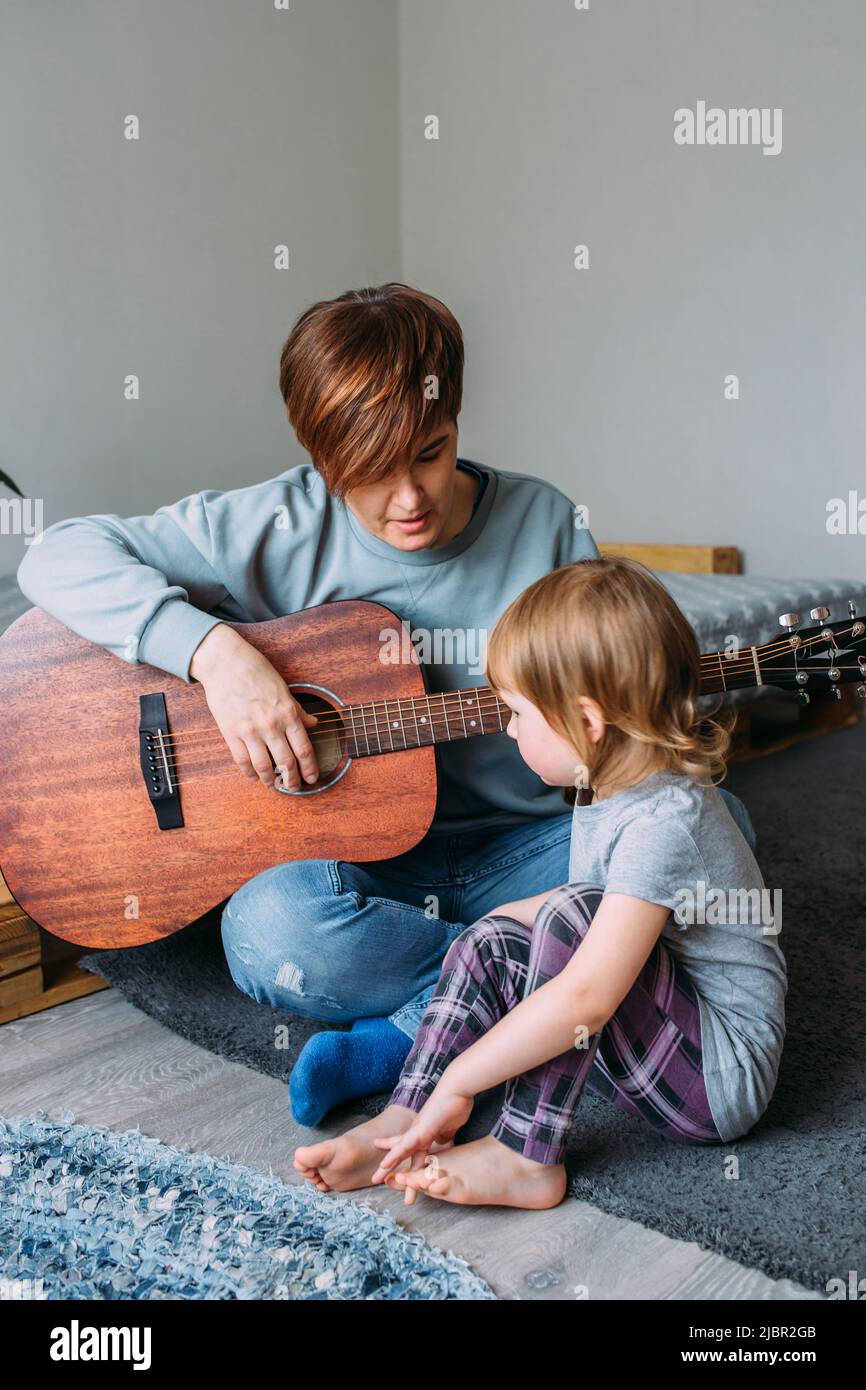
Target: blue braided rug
column 93, row 1213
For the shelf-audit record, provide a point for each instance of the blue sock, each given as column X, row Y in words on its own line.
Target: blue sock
column 333, row 1067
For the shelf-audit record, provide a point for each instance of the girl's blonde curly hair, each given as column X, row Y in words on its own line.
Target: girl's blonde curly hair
column 609, row 630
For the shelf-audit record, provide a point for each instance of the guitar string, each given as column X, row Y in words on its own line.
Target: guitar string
column 709, row 663
column 202, row 774
column 714, row 663
column 367, row 732
column 382, row 736
column 485, row 704
column 485, row 694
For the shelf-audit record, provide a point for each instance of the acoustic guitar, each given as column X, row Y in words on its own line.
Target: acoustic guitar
column 124, row 816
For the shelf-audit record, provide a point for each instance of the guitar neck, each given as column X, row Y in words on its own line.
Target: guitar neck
column 416, row 721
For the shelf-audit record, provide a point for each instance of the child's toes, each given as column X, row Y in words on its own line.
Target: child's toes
column 316, row 1180
column 409, row 1193
column 417, row 1178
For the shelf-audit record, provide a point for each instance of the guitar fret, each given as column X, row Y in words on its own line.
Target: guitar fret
column 480, row 711
column 417, row 731
column 760, row 680
column 471, row 699
column 376, row 725
column 445, row 712
column 388, row 722
column 402, row 725
column 430, row 717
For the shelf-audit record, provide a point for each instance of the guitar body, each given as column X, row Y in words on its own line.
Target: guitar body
column 80, row 845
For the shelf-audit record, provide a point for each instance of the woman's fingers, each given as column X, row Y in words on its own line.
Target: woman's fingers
column 260, row 759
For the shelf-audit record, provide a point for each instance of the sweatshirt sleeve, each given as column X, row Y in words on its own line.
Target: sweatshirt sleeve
column 140, row 587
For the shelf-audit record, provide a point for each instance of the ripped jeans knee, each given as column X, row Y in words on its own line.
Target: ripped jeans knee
column 270, row 975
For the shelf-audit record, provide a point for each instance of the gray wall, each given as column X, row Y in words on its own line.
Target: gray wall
column 557, row 129
column 156, row 256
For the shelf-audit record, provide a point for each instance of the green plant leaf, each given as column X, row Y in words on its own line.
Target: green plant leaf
column 6, row 481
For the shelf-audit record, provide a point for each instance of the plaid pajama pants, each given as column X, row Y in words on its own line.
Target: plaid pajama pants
column 646, row 1059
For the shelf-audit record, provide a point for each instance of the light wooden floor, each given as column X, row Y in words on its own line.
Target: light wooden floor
column 111, row 1065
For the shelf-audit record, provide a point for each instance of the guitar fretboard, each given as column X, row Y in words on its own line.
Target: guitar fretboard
column 414, row 721
column 389, row 726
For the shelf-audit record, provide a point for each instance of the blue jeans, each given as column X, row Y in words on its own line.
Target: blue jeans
column 335, row 941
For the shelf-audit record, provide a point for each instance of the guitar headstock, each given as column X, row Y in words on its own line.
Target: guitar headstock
column 810, row 660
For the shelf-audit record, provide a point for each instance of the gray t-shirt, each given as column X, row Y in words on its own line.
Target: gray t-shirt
column 670, row 841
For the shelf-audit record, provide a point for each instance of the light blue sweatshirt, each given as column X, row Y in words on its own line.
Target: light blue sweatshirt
column 148, row 589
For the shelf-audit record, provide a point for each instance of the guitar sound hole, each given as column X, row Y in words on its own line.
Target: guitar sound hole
column 325, row 736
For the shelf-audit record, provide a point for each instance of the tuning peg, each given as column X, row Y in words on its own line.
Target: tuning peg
column 861, row 691
column 852, row 608
column 819, row 615
column 804, row 697
column 790, row 620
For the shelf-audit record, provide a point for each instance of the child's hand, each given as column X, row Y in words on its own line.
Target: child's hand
column 438, row 1121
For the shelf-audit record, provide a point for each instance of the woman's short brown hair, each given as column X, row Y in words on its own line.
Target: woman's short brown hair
column 608, row 629
column 366, row 376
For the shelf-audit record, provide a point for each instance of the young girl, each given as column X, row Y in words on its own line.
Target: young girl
column 654, row 976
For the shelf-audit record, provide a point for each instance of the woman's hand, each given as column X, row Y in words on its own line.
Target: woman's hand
column 438, row 1121
column 256, row 714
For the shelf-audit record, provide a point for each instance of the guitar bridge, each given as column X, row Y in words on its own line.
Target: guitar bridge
column 157, row 761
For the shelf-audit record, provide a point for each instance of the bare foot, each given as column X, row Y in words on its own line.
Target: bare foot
column 350, row 1160
column 488, row 1173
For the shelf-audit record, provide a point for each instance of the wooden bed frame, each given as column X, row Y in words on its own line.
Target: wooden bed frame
column 683, row 559
column 38, row 970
